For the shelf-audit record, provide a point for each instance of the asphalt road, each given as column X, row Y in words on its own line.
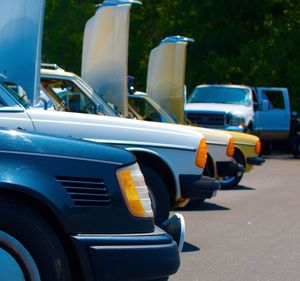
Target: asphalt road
column 248, row 233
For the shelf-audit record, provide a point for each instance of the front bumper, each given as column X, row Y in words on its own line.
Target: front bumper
column 198, row 187
column 229, row 168
column 145, row 256
column 255, row 160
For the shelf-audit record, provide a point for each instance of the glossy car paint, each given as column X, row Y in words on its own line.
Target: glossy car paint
column 245, row 143
column 216, row 140
column 167, row 142
column 104, row 21
column 31, row 169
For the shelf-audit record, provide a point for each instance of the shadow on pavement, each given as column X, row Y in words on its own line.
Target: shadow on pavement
column 187, row 248
column 239, row 187
column 203, row 207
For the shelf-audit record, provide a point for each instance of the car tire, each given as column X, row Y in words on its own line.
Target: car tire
column 230, row 182
column 29, row 245
column 158, row 193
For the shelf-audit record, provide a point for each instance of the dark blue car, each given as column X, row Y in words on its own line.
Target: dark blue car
column 73, row 210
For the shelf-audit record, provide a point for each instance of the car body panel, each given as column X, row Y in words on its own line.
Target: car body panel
column 33, row 167
column 217, row 141
column 100, row 70
column 167, row 141
column 272, row 122
column 246, row 144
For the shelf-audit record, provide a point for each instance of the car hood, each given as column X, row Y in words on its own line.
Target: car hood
column 243, row 138
column 15, row 141
column 115, row 130
column 213, row 136
column 190, row 107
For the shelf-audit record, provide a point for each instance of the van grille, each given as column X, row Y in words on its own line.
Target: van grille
column 86, row 192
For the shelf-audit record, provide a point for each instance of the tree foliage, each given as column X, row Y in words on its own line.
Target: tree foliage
column 251, row 42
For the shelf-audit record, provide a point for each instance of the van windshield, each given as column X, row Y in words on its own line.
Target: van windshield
column 228, row 95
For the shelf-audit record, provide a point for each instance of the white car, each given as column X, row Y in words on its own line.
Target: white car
column 104, row 68
column 171, row 157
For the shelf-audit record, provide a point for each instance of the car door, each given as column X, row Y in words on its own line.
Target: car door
column 274, row 113
column 12, row 114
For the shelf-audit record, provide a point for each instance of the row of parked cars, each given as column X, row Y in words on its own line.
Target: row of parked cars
column 83, row 190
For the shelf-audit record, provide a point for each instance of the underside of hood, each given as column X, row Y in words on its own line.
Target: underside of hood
column 21, row 26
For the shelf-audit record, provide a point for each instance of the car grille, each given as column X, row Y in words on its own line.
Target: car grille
column 207, row 119
column 87, row 192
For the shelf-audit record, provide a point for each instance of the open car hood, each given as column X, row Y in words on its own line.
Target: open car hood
column 21, row 26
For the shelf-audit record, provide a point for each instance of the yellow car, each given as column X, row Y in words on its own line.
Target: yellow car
column 246, row 152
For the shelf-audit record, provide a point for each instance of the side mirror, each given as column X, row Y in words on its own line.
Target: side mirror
column 265, row 105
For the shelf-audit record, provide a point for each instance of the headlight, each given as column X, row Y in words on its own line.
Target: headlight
column 257, row 147
column 135, row 191
column 237, row 120
column 201, row 156
column 230, row 148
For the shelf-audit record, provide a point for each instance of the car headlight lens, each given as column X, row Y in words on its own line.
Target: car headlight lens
column 237, row 120
column 201, row 156
column 257, row 147
column 230, row 148
column 135, row 191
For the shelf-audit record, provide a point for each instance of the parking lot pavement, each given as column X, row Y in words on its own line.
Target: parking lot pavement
column 247, row 233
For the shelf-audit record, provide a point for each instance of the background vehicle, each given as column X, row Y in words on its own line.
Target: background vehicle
column 97, row 70
column 156, row 147
column 66, row 213
column 165, row 82
column 262, row 111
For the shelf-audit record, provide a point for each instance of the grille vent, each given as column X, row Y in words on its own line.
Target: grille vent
column 86, row 192
column 208, row 119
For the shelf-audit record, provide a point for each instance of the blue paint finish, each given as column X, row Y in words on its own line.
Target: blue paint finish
column 31, row 165
column 177, row 38
column 21, row 25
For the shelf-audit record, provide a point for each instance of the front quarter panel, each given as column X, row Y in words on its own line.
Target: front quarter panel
column 62, row 184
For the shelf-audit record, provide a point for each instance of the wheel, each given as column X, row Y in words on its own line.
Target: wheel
column 229, row 182
column 29, row 248
column 158, row 193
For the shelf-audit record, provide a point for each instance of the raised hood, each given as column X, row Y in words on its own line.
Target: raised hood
column 105, row 52
column 166, row 75
column 21, row 26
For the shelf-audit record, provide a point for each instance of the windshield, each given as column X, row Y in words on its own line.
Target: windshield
column 228, row 95
column 12, row 90
column 75, row 96
column 105, row 108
